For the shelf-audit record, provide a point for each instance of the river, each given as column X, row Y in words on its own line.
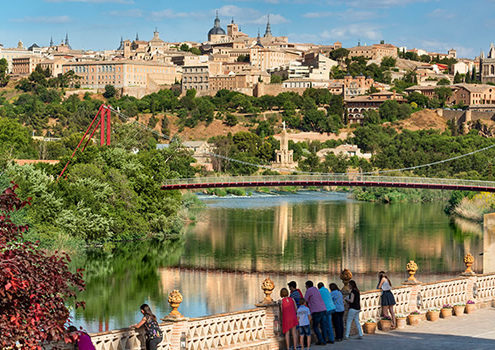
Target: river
column 235, row 243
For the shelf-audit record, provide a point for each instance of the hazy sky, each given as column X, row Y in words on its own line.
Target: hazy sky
column 439, row 25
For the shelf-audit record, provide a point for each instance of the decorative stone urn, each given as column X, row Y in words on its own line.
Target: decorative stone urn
column 174, row 299
column 411, row 268
column 468, row 261
column 267, row 286
column 346, row 276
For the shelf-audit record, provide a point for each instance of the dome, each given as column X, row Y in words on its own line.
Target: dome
column 216, row 30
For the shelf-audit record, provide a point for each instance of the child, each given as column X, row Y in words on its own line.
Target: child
column 304, row 319
column 289, row 317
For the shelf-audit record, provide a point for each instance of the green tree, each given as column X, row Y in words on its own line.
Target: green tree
column 4, row 77
column 443, row 81
column 230, row 120
column 275, row 79
column 443, row 93
column 110, row 91
column 15, row 140
column 457, row 78
column 339, row 54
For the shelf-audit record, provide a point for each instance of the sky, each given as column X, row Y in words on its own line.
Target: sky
column 435, row 25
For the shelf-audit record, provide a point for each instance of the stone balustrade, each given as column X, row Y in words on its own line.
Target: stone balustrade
column 259, row 328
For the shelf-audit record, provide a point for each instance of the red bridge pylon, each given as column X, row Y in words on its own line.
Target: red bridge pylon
column 103, row 120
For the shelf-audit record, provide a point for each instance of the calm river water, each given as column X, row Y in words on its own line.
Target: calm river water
column 237, row 242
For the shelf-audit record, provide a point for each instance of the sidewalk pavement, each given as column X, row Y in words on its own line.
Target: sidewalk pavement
column 473, row 331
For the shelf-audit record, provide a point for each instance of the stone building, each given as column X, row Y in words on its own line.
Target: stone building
column 123, row 74
column 356, row 106
column 197, row 76
column 20, row 51
column 54, row 66
column 474, row 94
column 487, row 66
column 356, row 86
column 24, row 66
column 374, row 52
column 284, row 156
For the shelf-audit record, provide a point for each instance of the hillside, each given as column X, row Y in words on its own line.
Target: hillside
column 422, row 120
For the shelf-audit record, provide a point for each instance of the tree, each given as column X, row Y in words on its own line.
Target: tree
column 35, row 287
column 184, row 47
column 457, row 78
column 110, row 91
column 443, row 93
column 275, row 79
column 339, row 54
column 230, row 120
column 388, row 62
column 4, row 77
column 243, row 58
column 443, row 81
column 15, row 140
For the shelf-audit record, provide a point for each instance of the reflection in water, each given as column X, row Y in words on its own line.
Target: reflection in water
column 237, row 242
column 489, row 244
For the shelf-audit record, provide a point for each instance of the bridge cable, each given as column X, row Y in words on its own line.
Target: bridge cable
column 211, row 154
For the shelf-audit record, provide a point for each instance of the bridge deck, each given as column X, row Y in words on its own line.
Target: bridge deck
column 331, row 180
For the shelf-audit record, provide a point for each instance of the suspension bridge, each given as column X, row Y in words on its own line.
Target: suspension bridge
column 344, row 180
column 102, row 123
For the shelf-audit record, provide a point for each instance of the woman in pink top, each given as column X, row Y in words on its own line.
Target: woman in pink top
column 82, row 339
column 289, row 317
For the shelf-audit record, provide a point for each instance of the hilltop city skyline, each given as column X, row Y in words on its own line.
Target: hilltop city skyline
column 99, row 24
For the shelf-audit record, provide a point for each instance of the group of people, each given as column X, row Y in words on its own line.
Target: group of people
column 325, row 310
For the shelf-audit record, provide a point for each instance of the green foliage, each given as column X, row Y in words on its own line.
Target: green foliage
column 4, row 77
column 443, row 81
column 110, row 91
column 110, row 194
column 15, row 141
column 339, row 54
column 230, row 120
column 243, row 58
column 275, row 79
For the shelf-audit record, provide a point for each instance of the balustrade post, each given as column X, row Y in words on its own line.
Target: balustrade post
column 273, row 320
column 411, row 268
column 468, row 261
column 178, row 336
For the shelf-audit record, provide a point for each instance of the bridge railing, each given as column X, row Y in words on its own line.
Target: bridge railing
column 351, row 178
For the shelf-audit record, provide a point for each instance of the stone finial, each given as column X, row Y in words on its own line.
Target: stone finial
column 174, row 299
column 411, row 268
column 267, row 286
column 468, row 261
column 346, row 276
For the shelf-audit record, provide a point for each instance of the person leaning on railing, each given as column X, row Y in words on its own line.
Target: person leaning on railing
column 153, row 333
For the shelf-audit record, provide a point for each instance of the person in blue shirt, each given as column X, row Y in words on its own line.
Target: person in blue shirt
column 327, row 298
column 295, row 293
column 338, row 315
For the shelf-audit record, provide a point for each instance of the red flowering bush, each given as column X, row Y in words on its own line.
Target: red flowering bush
column 34, row 286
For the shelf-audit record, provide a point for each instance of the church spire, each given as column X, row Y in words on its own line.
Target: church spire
column 268, row 31
column 67, row 40
column 51, row 41
column 137, row 37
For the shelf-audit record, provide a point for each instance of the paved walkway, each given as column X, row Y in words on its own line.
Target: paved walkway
column 473, row 331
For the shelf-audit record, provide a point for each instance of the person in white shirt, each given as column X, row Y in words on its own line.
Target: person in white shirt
column 388, row 300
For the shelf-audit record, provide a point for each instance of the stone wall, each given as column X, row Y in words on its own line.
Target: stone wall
column 274, row 89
